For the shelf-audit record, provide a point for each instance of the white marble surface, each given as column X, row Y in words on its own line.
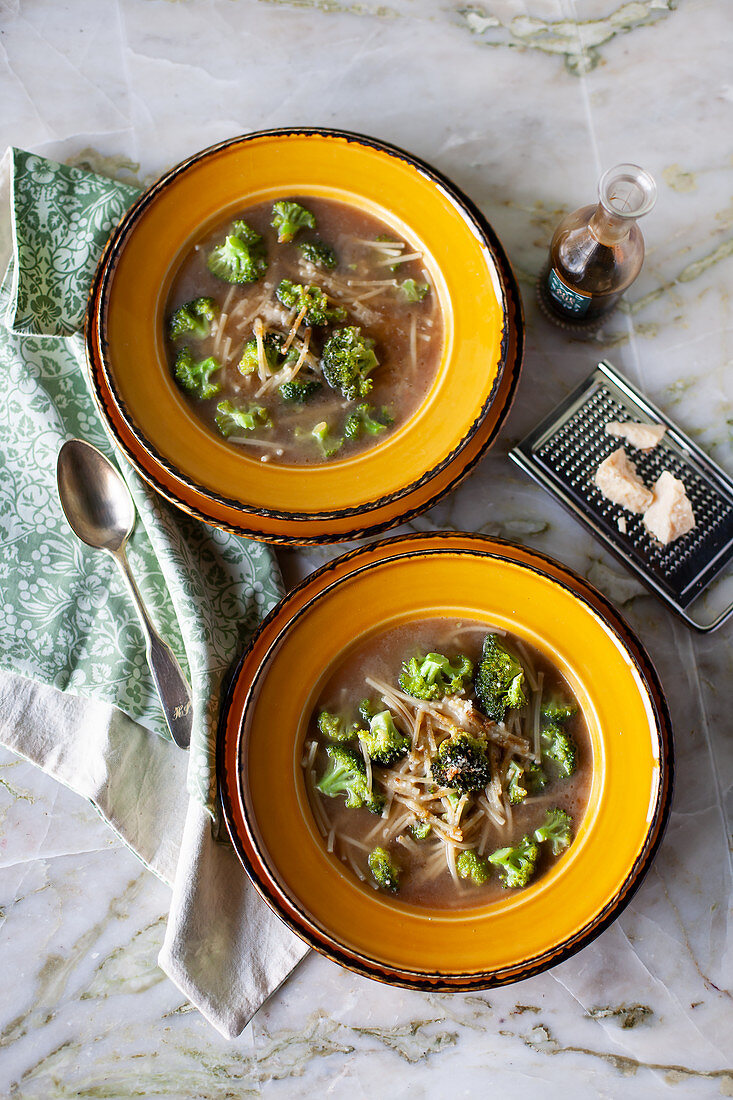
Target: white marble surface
column 523, row 104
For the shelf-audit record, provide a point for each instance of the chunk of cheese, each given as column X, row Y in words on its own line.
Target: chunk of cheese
column 619, row 482
column 644, row 437
column 670, row 514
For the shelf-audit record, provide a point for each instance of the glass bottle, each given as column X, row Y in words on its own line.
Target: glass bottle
column 597, row 251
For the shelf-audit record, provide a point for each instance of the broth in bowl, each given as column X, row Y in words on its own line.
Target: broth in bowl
column 303, row 330
column 447, row 762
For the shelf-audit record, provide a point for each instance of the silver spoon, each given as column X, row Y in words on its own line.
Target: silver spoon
column 100, row 511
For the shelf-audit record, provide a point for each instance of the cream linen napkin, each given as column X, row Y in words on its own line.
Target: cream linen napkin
column 76, row 696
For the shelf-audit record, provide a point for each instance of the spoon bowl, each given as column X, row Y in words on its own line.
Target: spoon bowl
column 95, row 499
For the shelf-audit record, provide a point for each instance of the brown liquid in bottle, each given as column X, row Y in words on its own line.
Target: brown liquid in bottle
column 597, row 251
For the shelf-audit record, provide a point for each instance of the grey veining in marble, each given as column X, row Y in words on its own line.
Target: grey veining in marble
column 523, row 104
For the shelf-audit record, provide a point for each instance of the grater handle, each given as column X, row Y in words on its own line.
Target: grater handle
column 706, row 628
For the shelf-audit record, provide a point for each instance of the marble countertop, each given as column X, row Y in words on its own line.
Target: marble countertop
column 523, row 103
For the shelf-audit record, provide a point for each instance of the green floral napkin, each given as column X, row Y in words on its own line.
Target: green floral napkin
column 69, row 623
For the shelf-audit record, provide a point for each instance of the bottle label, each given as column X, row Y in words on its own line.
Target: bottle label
column 571, row 300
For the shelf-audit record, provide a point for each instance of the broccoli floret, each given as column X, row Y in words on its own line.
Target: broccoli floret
column 246, row 233
column 412, row 682
column 318, row 311
column 461, row 763
column 559, row 747
column 471, row 865
column 515, row 775
column 195, row 375
column 420, row 830
column 383, row 741
column 366, row 418
column 414, row 292
column 516, row 865
column 335, row 727
column 499, row 680
column 384, row 870
column 316, row 252
column 299, row 390
column 352, row 427
column 288, row 218
column 347, row 361
column 328, row 443
column 346, row 774
column 367, row 710
column 535, row 778
column 241, row 259
column 231, row 418
column 555, row 831
column 272, row 346
column 556, row 709
column 434, row 676
column 249, row 361
column 193, row 317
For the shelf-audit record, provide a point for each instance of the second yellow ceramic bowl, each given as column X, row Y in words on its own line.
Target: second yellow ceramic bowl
column 419, row 204
column 265, row 722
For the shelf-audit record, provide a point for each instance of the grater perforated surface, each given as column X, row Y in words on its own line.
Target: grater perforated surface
column 564, row 452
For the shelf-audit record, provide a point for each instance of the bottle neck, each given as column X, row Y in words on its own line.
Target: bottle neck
column 607, row 228
column 626, row 193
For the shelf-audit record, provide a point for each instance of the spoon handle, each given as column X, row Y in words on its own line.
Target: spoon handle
column 172, row 686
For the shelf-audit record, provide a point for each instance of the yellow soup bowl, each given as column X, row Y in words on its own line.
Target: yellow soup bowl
column 287, row 502
column 264, row 725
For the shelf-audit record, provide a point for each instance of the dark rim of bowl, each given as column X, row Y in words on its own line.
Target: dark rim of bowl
column 320, row 939
column 105, row 272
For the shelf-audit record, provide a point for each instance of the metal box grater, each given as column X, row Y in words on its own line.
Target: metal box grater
column 563, row 453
